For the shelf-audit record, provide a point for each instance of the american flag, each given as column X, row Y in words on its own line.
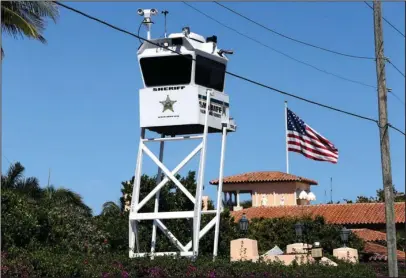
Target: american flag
column 301, row 138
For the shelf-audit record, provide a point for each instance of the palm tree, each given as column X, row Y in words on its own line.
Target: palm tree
column 63, row 196
column 14, row 180
column 111, row 209
column 27, row 18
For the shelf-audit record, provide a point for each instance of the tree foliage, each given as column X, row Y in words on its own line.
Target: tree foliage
column 45, row 263
column 27, row 18
column 380, row 197
column 281, row 232
column 33, row 217
column 50, row 232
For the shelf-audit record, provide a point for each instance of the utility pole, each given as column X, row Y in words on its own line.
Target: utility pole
column 384, row 142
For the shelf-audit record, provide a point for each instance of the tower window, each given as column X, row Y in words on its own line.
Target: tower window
column 210, row 73
column 166, row 70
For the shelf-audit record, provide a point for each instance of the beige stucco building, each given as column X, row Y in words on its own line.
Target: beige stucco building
column 268, row 188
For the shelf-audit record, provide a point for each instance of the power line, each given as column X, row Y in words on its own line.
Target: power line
column 227, row 72
column 293, row 39
column 286, row 55
column 298, row 41
column 397, row 129
column 9, row 162
column 277, row 51
column 387, row 21
column 395, row 67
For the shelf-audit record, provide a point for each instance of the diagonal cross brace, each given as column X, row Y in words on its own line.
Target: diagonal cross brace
column 170, row 236
column 203, row 231
column 168, row 173
column 166, row 179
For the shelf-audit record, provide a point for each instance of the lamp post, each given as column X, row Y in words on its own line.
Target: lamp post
column 243, row 224
column 299, row 230
column 317, row 251
column 344, row 233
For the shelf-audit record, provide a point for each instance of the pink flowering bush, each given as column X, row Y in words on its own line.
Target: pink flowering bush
column 47, row 263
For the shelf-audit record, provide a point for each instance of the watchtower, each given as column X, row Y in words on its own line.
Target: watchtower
column 183, row 99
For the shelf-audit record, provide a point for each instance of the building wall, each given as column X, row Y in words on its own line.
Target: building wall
column 275, row 193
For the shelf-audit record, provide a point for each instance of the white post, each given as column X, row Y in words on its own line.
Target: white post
column 219, row 191
column 238, row 198
column 148, row 31
column 199, row 189
column 133, row 229
column 156, row 207
column 286, row 137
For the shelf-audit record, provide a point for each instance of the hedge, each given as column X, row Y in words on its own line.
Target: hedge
column 47, row 263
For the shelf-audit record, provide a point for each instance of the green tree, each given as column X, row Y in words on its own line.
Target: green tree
column 19, row 220
column 281, row 232
column 114, row 222
column 246, row 204
column 172, row 199
column 15, row 180
column 63, row 196
column 57, row 218
column 27, row 18
column 380, row 197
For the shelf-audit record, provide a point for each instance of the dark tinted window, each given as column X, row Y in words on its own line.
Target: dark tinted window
column 167, row 70
column 210, row 73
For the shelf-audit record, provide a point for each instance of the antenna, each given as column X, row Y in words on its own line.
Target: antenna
column 147, row 13
column 165, row 13
column 49, row 176
column 331, row 190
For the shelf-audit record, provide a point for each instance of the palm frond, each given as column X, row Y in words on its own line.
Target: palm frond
column 30, row 187
column 111, row 208
column 27, row 18
column 64, row 196
column 14, row 175
column 17, row 25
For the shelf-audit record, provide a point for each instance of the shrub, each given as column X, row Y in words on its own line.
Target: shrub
column 47, row 263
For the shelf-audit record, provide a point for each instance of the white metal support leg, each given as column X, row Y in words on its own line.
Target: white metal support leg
column 156, row 216
column 156, row 206
column 199, row 189
column 133, row 231
column 192, row 247
column 219, row 191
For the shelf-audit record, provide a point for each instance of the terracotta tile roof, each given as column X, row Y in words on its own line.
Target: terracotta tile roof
column 380, row 253
column 358, row 213
column 265, row 176
column 369, row 235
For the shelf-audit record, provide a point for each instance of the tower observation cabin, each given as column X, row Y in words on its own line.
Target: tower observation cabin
column 173, row 99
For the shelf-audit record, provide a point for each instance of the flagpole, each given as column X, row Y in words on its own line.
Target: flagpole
column 286, row 137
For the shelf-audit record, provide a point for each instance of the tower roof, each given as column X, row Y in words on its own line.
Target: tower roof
column 264, row 176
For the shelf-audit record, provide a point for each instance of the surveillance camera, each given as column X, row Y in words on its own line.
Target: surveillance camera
column 186, row 31
column 222, row 51
column 140, row 12
column 154, row 11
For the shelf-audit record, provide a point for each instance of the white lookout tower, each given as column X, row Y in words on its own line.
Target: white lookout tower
column 183, row 99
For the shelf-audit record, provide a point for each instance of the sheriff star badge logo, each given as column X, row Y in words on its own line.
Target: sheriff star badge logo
column 167, row 104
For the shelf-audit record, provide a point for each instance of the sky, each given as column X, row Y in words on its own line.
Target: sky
column 72, row 105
